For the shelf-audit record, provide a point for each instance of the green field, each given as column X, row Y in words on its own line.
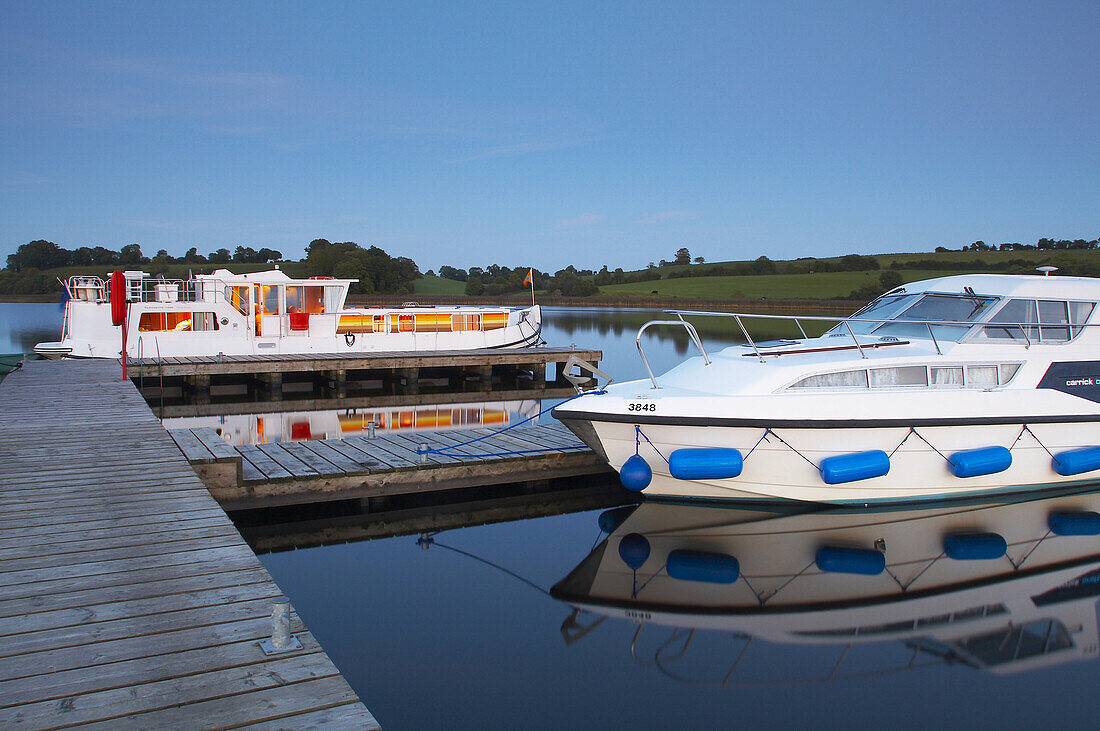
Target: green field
column 825, row 285
column 439, row 286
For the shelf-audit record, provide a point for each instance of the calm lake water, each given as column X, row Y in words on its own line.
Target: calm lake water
column 466, row 631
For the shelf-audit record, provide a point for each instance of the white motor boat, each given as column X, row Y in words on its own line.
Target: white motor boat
column 1004, row 587
column 950, row 387
column 265, row 313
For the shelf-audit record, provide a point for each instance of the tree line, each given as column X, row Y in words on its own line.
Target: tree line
column 376, row 270
column 496, row 280
column 42, row 254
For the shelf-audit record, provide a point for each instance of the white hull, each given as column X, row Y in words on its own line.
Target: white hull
column 774, row 471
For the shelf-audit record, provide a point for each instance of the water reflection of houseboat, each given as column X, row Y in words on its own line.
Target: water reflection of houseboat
column 238, row 429
column 1002, row 587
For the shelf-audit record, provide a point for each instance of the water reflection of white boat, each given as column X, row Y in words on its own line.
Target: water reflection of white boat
column 1002, row 587
column 957, row 386
column 265, row 313
column 240, row 429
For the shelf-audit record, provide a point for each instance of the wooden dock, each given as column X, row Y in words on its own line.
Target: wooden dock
column 332, row 372
column 308, row 471
column 127, row 597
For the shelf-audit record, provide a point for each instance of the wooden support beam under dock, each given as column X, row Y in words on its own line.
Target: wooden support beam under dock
column 308, row 471
column 214, row 365
column 127, row 597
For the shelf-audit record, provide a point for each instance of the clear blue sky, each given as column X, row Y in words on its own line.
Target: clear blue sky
column 543, row 134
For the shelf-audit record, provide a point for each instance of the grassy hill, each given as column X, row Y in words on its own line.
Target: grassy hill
column 826, row 285
column 438, row 286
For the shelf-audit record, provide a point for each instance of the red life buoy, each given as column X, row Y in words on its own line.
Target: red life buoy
column 118, row 297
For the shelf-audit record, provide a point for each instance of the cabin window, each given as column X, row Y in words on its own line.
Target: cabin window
column 981, row 376
column 333, row 295
column 177, row 322
column 461, row 323
column 378, row 323
column 204, row 321
column 433, row 322
column 238, row 297
column 1057, row 321
column 971, row 376
column 1007, row 373
column 843, row 379
column 1022, row 314
column 269, row 298
column 1079, row 313
column 1053, row 313
column 404, row 323
column 305, row 299
column 903, row 376
column 951, row 377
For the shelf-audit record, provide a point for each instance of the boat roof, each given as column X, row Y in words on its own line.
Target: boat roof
column 1010, row 285
column 272, row 276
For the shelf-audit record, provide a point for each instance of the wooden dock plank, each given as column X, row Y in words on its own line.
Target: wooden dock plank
column 213, row 441
column 134, row 672
column 296, row 467
column 272, row 704
column 365, row 462
column 127, row 598
column 157, row 695
column 409, row 442
column 379, row 451
column 319, row 464
column 61, row 609
column 388, row 447
column 326, row 452
column 271, row 469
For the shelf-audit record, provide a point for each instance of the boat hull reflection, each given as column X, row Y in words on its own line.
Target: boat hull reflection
column 1005, row 586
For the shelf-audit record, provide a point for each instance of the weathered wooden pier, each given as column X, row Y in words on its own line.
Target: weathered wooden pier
column 332, row 373
column 307, row 471
column 127, row 597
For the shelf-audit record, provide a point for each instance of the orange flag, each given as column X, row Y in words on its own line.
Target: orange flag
column 528, row 281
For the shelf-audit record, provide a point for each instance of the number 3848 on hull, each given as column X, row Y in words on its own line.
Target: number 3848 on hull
column 951, row 387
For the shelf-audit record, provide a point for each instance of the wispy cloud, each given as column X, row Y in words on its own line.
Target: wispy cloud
column 582, row 220
column 22, row 179
column 520, row 148
column 664, row 216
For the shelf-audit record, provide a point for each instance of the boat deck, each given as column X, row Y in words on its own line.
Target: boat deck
column 127, row 597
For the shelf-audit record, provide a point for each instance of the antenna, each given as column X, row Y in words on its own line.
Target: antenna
column 1046, row 270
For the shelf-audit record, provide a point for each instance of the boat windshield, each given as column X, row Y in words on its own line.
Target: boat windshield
column 885, row 307
column 960, row 308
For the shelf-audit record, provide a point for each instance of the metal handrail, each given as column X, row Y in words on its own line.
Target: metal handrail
column 687, row 326
column 1073, row 328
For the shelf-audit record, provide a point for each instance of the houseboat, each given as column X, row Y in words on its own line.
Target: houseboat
column 265, row 313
